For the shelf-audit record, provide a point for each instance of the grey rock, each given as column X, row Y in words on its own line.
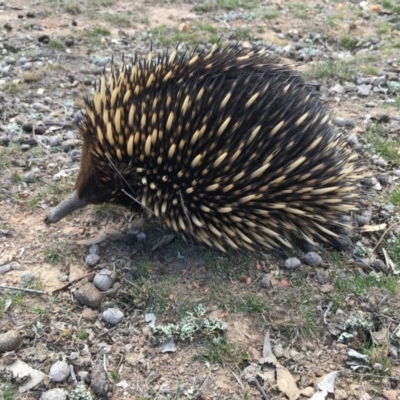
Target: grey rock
column 292, row 263
column 346, row 122
column 141, row 237
column 70, row 144
column 27, row 276
column 338, row 88
column 59, row 371
column 379, row 265
column 94, row 249
column 99, row 383
column 369, row 181
column 55, row 141
column 104, row 280
column 352, row 139
column 380, row 162
column 112, row 316
column 312, row 259
column 92, row 260
column 364, row 218
column 88, row 295
column 342, row 243
column 75, row 155
column 364, row 90
column 54, row 394
column 31, row 176
column 384, row 179
column 9, row 340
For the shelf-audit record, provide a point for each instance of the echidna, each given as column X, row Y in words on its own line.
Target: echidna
column 228, row 147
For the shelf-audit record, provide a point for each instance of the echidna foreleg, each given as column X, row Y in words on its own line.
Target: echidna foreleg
column 67, row 206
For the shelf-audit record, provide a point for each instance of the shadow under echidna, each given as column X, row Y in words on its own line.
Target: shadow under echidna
column 228, row 147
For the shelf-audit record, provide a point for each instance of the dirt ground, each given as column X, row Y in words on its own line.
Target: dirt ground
column 341, row 316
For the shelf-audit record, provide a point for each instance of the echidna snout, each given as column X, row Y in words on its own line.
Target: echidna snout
column 228, row 147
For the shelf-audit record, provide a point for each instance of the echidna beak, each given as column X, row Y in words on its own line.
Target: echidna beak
column 66, row 207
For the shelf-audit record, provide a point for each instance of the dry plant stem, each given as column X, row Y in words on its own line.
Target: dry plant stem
column 384, row 234
column 23, row 289
column 40, row 144
column 75, row 280
column 261, row 389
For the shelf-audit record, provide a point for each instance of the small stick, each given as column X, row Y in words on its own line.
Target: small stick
column 75, row 280
column 384, row 234
column 261, row 389
column 23, row 289
column 326, row 312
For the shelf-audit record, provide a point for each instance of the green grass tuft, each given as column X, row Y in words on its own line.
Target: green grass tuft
column 221, row 351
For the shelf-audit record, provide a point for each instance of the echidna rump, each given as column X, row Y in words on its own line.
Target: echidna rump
column 228, row 147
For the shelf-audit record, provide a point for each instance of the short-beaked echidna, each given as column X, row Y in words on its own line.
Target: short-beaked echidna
column 228, row 147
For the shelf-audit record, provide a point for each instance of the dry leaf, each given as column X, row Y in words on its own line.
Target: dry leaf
column 286, row 383
column 373, row 228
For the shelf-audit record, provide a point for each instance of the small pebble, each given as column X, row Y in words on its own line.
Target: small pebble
column 89, row 315
column 278, row 350
column 377, row 367
column 352, row 139
column 54, row 394
column 94, row 249
column 104, row 280
column 4, row 140
column 364, row 218
column 141, row 237
column 27, row 66
column 31, row 176
column 55, row 141
column 27, row 276
column 292, row 263
column 112, row 316
column 364, row 90
column 9, row 341
column 369, row 181
column 70, row 144
column 69, row 42
column 59, row 371
column 312, row 259
column 88, row 295
column 379, row 265
column 92, row 260
column 78, row 117
column 45, row 39
column 383, row 179
column 342, row 243
column 380, row 162
column 75, row 155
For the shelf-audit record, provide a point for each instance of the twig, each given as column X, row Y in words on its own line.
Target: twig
column 59, row 123
column 133, row 284
column 326, row 311
column 238, row 379
column 108, row 331
column 23, row 289
column 75, row 280
column 256, row 280
column 261, row 389
column 163, row 242
column 384, row 234
column 40, row 144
